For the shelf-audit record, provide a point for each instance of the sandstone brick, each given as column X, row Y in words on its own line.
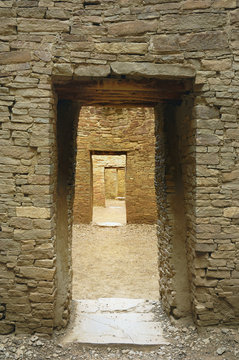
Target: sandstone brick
column 37, row 273
column 205, row 139
column 218, row 274
column 92, row 70
column 156, row 70
column 234, row 16
column 164, row 43
column 210, row 159
column 128, row 28
column 204, row 41
column 33, row 212
column 6, row 328
column 8, row 27
column 57, row 14
column 196, row 21
column 217, row 65
column 195, row 4
column 121, row 48
column 232, row 133
column 229, row 4
column 231, row 212
column 223, row 254
column 32, row 12
column 42, row 298
column 35, row 25
column 205, row 247
column 15, row 57
column 205, row 282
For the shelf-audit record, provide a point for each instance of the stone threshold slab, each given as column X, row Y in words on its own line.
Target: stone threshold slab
column 115, row 321
column 108, row 224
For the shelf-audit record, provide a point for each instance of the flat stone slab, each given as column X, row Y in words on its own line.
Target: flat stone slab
column 116, row 321
column 108, row 224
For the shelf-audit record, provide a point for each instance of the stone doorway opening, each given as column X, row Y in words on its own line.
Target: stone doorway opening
column 171, row 104
column 109, row 172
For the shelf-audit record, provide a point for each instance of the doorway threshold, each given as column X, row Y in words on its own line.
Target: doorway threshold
column 115, row 321
column 108, row 224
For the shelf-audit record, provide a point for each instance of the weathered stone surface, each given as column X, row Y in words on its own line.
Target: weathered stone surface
column 234, row 175
column 32, row 12
column 232, row 212
column 206, row 112
column 128, row 28
column 8, row 27
column 152, row 70
column 57, row 14
column 232, row 133
column 196, row 21
column 62, row 69
column 15, row 57
column 217, row 65
column 210, row 159
column 228, row 4
column 36, row 273
column 205, row 139
column 196, row 4
column 122, row 48
column 92, row 70
column 42, row 26
column 33, row 212
column 164, row 43
column 6, row 328
column 234, row 16
column 204, row 41
column 205, row 247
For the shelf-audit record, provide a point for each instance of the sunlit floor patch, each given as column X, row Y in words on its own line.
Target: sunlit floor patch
column 113, row 213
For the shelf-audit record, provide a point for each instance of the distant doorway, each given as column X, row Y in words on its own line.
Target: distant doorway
column 109, row 205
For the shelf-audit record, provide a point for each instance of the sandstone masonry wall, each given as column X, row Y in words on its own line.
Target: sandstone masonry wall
column 46, row 41
column 128, row 130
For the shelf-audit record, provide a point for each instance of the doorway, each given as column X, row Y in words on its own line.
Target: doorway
column 174, row 135
column 109, row 205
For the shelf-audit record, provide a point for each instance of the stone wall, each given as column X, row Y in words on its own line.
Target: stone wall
column 127, row 130
column 46, row 44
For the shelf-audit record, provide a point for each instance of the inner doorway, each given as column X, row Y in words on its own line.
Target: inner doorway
column 109, row 170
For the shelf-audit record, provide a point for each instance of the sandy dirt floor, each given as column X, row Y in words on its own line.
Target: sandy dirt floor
column 115, row 262
column 114, row 211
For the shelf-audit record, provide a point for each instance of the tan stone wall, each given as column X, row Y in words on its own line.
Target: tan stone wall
column 98, row 186
column 44, row 42
column 128, row 130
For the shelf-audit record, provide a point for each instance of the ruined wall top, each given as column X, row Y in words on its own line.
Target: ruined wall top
column 101, row 37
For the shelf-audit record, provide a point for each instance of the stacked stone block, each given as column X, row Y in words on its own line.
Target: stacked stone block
column 45, row 41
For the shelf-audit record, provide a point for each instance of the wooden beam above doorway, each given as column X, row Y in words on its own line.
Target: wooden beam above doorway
column 116, row 92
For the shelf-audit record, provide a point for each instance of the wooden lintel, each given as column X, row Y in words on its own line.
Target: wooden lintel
column 122, row 91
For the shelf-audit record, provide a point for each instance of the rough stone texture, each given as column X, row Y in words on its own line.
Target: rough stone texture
column 42, row 42
column 117, row 130
column 152, row 70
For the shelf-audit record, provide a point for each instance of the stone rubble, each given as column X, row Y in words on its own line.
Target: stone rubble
column 186, row 342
